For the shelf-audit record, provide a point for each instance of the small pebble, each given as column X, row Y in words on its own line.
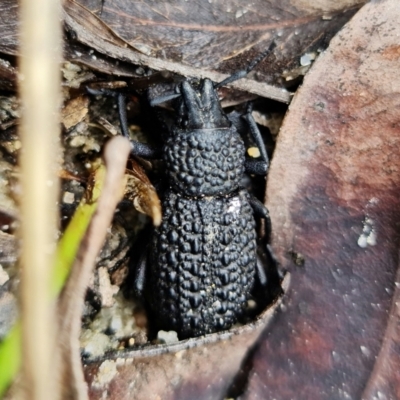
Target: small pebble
column 3, row 276
column 167, row 337
column 253, row 152
column 68, row 198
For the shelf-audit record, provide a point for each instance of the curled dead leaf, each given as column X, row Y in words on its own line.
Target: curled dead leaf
column 333, row 195
column 201, row 368
column 142, row 193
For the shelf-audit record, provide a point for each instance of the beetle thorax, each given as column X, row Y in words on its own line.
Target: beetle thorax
column 205, row 162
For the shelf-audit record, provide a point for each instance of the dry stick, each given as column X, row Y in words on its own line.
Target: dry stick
column 72, row 300
column 41, row 96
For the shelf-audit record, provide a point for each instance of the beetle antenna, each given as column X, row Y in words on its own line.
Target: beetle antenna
column 241, row 74
column 163, row 99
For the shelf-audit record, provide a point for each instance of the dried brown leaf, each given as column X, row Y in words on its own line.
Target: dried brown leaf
column 199, row 368
column 9, row 26
column 64, row 174
column 84, row 27
column 333, row 194
column 224, row 35
column 74, row 111
column 195, row 39
column 142, row 193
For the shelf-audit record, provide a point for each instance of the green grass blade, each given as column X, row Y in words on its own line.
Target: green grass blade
column 70, row 242
column 10, row 357
column 67, row 249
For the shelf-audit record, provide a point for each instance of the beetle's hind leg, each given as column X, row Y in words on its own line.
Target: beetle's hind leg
column 262, row 212
column 273, row 270
column 139, row 279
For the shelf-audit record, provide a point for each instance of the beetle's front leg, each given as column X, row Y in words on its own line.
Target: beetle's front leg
column 138, row 149
column 257, row 167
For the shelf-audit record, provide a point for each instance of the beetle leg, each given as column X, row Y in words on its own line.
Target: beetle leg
column 123, row 120
column 255, row 132
column 138, row 149
column 262, row 212
column 273, row 261
column 256, row 167
column 140, row 274
column 262, row 276
column 163, row 99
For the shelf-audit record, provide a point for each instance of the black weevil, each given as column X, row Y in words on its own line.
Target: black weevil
column 201, row 265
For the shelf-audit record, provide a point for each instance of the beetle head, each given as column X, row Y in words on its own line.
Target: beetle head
column 199, row 107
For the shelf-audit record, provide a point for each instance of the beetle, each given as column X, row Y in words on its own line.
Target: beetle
column 200, row 266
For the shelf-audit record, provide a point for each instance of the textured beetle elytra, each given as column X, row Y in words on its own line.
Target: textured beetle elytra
column 201, row 265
